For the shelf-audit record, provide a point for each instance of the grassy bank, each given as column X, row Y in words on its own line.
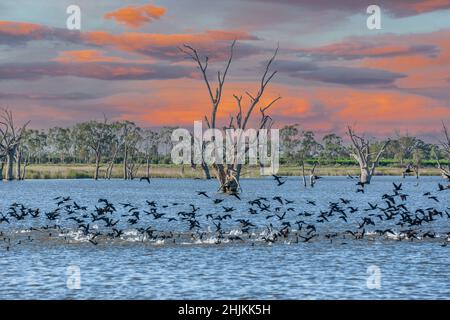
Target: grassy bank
column 82, row 171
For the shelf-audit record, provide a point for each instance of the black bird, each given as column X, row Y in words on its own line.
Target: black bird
column 372, row 207
column 144, row 179
column 151, row 203
column 433, row 198
column 306, row 239
column 279, row 180
column 125, row 205
column 397, row 187
column 279, row 199
column 236, row 196
column 202, row 193
column 352, row 209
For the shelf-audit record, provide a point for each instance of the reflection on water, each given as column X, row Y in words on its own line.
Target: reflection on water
column 133, row 265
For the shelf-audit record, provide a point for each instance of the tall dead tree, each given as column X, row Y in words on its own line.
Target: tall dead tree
column 445, row 172
column 10, row 138
column 2, row 153
column 411, row 168
column 228, row 175
column 366, row 159
column 312, row 175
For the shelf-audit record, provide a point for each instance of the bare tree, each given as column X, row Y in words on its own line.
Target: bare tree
column 228, row 175
column 148, row 146
column 10, row 138
column 312, row 175
column 363, row 155
column 411, row 168
column 129, row 138
column 303, row 172
column 446, row 146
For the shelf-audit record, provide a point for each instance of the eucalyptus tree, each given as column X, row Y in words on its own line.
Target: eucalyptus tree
column 60, row 142
column 367, row 158
column 310, row 147
column 290, row 141
column 36, row 144
column 445, row 172
column 129, row 136
column 333, row 146
column 165, row 143
column 228, row 175
column 10, row 139
column 148, row 146
column 114, row 147
column 96, row 136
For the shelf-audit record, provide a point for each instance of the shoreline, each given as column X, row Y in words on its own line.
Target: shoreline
column 82, row 171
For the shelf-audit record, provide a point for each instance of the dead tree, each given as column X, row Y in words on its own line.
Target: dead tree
column 362, row 154
column 2, row 154
column 445, row 172
column 10, row 138
column 228, row 175
column 410, row 169
column 312, row 175
column 303, row 173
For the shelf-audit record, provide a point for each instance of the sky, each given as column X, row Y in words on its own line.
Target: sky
column 332, row 70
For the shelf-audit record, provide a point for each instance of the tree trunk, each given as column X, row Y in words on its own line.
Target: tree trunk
column 24, row 171
column 366, row 175
column 206, row 171
column 312, row 176
column 111, row 164
column 97, row 166
column 303, row 173
column 18, row 164
column 148, row 167
column 10, row 165
column 125, row 163
column 2, row 164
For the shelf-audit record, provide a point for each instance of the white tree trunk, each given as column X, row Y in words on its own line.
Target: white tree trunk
column 365, row 176
column 10, row 165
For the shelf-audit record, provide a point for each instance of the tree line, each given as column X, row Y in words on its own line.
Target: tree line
column 100, row 143
column 106, row 144
column 298, row 145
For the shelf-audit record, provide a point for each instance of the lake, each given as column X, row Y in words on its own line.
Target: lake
column 165, row 241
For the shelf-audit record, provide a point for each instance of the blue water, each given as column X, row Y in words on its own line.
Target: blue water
column 34, row 265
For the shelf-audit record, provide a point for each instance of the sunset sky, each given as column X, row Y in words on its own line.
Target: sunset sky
column 332, row 70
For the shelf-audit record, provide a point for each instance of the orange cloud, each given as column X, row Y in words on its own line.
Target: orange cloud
column 135, row 17
column 427, row 6
column 213, row 43
column 140, row 41
column 422, row 70
column 18, row 28
column 321, row 109
column 85, row 56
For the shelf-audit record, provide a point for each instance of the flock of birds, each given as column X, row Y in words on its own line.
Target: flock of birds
column 264, row 220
